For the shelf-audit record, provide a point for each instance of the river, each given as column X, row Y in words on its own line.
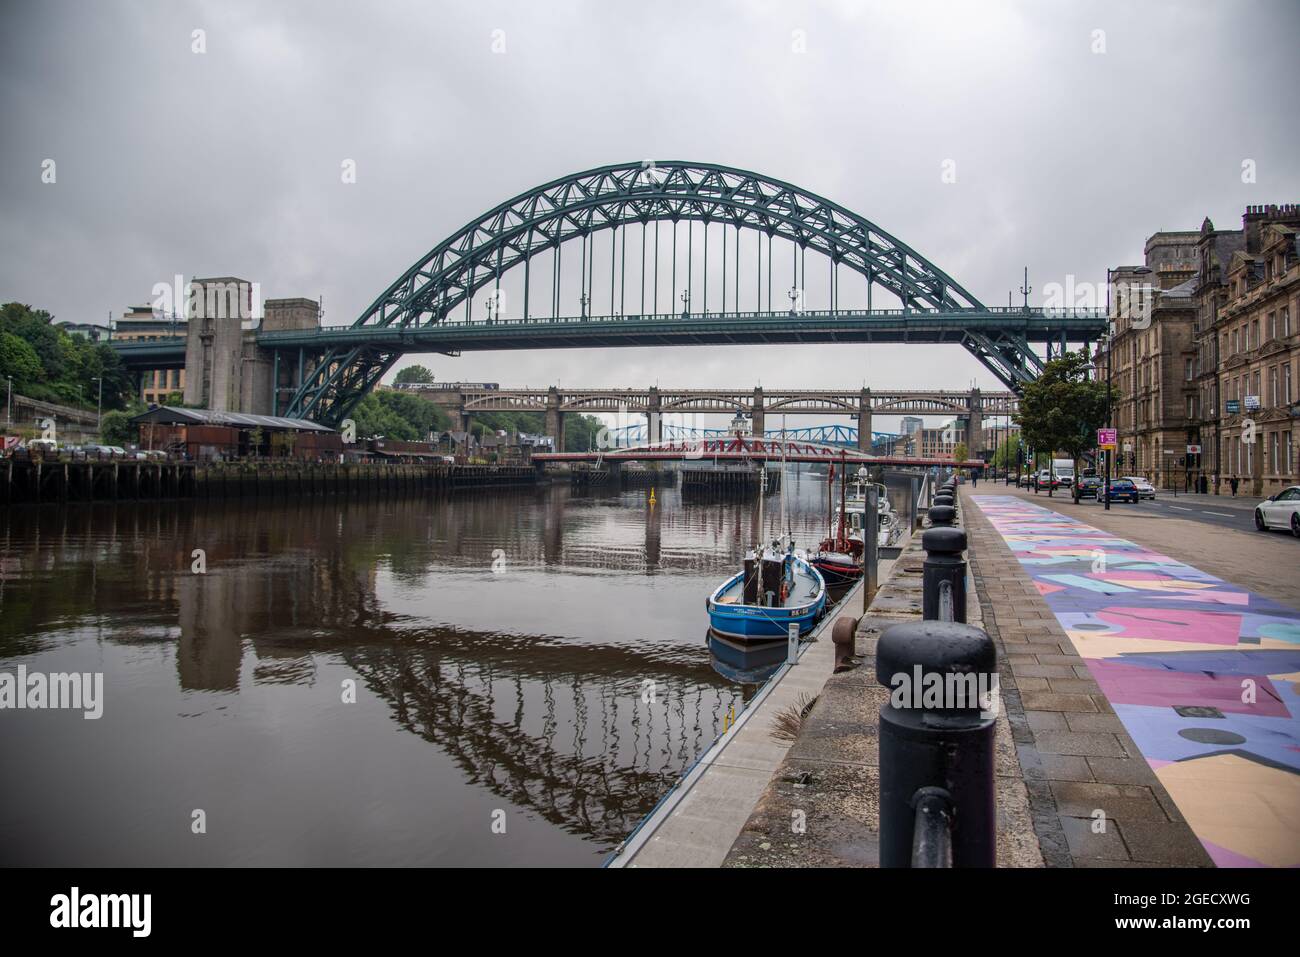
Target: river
column 485, row 678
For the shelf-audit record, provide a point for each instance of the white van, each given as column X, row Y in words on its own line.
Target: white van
column 1063, row 472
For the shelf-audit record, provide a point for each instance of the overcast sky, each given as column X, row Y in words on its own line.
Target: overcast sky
column 1069, row 146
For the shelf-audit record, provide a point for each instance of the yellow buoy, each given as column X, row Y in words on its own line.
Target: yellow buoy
column 652, row 496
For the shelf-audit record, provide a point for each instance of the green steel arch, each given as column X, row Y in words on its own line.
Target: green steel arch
column 581, row 204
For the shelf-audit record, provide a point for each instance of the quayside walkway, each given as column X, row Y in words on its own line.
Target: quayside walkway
column 1202, row 676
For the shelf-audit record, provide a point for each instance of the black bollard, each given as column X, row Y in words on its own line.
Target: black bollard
column 942, row 516
column 944, row 575
column 943, row 498
column 936, row 745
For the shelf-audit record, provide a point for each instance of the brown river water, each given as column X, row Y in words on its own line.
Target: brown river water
column 528, row 672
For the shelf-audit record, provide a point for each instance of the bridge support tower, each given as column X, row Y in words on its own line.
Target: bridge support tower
column 864, row 421
column 554, row 418
column 975, row 427
column 654, row 417
column 756, row 414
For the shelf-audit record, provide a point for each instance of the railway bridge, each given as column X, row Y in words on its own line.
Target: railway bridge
column 969, row 406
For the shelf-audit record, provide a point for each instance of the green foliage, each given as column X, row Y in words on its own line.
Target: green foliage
column 66, row 366
column 413, row 373
column 19, row 361
column 117, row 428
column 396, row 415
column 960, row 453
column 1064, row 407
column 579, row 430
column 1005, row 455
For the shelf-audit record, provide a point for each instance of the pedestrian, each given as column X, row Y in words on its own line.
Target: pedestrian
column 1232, row 482
column 974, row 478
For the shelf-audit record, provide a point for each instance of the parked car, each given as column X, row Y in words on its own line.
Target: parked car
column 1120, row 490
column 1280, row 511
column 1089, row 485
column 1145, row 488
column 1045, row 479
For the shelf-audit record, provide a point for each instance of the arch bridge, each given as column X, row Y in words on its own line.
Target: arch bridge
column 537, row 265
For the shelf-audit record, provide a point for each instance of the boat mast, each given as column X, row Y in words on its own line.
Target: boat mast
column 841, row 544
column 762, row 533
column 785, row 521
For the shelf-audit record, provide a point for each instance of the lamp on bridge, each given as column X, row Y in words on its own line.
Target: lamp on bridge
column 686, row 303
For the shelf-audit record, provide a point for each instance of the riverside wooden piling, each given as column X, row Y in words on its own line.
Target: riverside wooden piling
column 36, row 481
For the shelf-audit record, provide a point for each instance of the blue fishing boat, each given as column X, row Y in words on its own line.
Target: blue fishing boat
column 770, row 593
column 777, row 586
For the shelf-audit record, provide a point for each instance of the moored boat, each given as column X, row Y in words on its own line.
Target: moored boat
column 777, row 587
column 772, row 592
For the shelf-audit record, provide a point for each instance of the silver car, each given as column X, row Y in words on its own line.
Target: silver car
column 1145, row 488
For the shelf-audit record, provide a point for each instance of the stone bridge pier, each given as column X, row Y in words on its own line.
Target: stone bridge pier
column 554, row 418
column 756, row 414
column 654, row 417
column 975, row 427
column 864, row 421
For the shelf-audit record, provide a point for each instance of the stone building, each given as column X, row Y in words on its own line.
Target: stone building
column 143, row 322
column 1214, row 251
column 227, row 371
column 1257, row 334
column 1153, row 352
column 941, row 442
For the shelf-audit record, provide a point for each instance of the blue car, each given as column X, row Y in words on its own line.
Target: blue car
column 1120, row 490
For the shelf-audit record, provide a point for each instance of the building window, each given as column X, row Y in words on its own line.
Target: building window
column 1187, row 369
column 1274, row 448
column 1286, row 321
column 1272, row 325
column 1286, row 383
column 1272, row 385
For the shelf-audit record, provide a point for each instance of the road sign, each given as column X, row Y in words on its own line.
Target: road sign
column 1128, row 446
column 1193, row 450
column 1106, row 438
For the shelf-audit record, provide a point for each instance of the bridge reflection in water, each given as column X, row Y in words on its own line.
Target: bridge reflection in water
column 536, row 684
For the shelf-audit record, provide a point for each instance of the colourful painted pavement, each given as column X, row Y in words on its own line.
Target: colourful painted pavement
column 1204, row 675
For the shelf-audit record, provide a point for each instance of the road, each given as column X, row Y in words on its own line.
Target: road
column 1220, row 510
column 1216, row 535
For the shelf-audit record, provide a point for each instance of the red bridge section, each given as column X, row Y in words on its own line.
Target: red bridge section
column 742, row 448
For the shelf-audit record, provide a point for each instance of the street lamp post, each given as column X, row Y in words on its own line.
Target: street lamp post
column 1109, row 337
column 99, row 407
column 9, row 404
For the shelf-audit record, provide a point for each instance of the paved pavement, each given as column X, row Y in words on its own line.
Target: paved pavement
column 1263, row 562
column 1202, row 673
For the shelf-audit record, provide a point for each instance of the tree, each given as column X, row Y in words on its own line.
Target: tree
column 1063, row 408
column 19, row 360
column 413, row 373
column 117, row 428
column 960, row 453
